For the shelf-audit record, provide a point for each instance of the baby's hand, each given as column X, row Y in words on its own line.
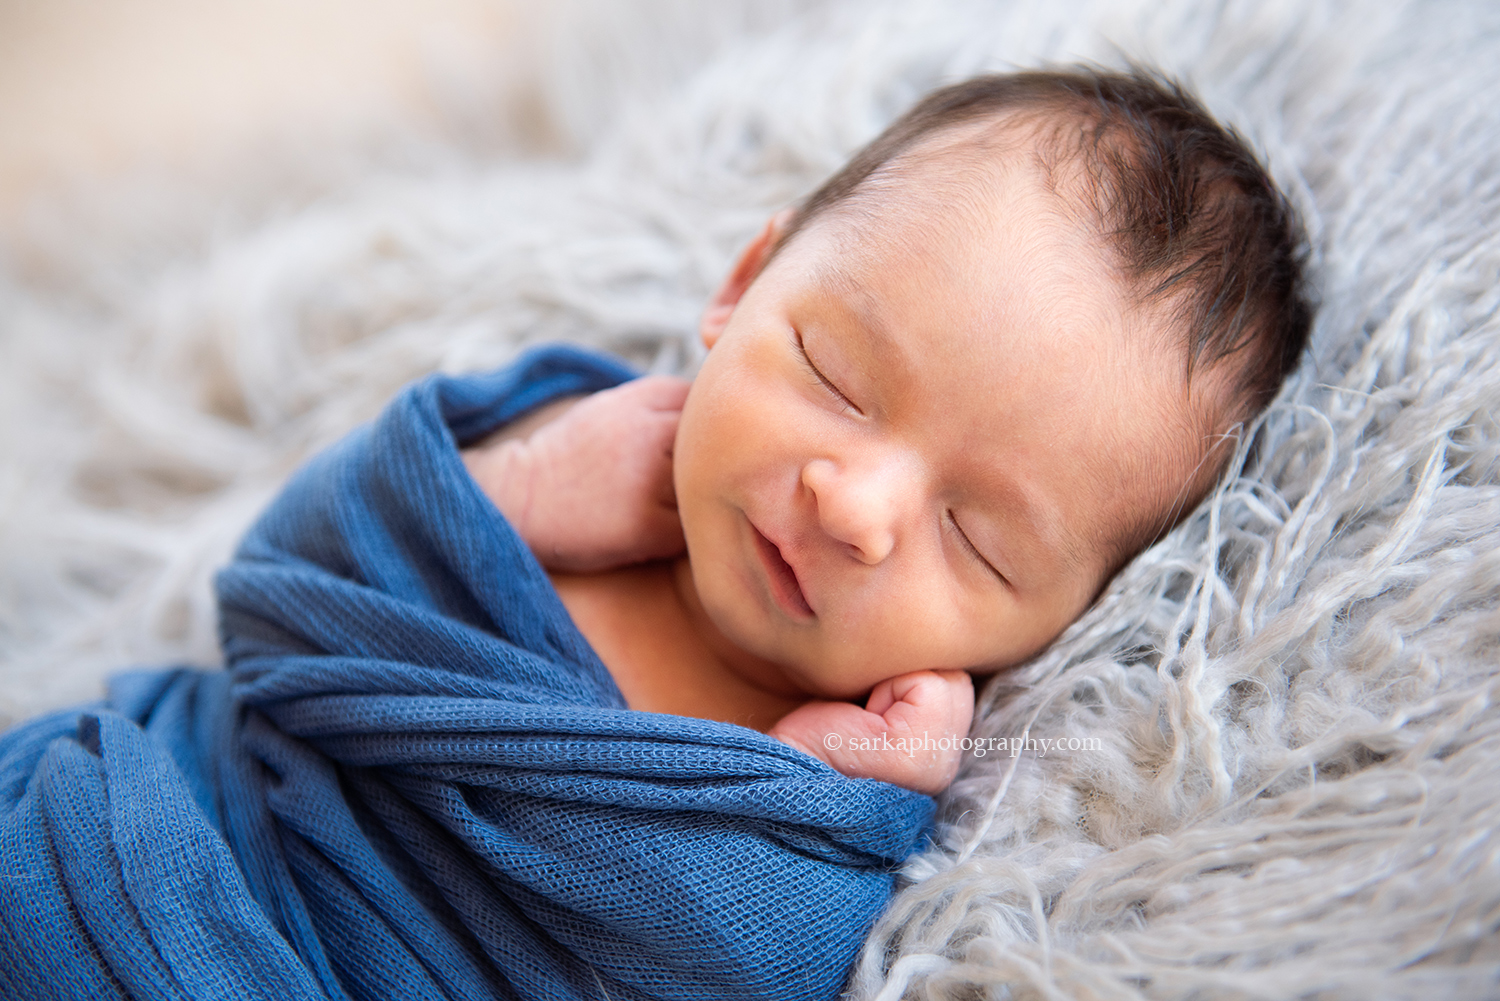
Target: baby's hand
column 897, row 736
column 592, row 489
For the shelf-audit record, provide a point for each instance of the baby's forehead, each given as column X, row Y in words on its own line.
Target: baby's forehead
column 955, row 171
column 968, row 240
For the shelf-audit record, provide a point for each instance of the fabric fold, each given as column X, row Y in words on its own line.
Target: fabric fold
column 417, row 779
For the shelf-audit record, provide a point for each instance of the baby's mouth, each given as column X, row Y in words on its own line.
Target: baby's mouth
column 784, row 586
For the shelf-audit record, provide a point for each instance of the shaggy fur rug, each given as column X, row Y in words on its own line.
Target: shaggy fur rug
column 1292, row 697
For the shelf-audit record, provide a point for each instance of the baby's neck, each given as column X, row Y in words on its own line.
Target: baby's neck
column 665, row 653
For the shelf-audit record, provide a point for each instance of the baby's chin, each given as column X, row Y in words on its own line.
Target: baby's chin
column 844, row 679
column 854, row 675
column 789, row 668
column 831, row 688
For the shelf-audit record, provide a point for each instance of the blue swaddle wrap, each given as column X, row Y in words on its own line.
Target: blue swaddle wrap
column 417, row 780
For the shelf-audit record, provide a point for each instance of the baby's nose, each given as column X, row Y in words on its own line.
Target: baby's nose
column 858, row 506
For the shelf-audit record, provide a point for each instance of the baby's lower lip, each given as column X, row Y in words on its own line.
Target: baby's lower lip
column 783, row 579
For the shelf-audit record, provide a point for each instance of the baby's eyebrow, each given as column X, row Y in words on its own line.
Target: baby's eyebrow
column 862, row 304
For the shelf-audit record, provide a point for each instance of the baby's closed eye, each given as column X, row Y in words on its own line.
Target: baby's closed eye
column 823, row 379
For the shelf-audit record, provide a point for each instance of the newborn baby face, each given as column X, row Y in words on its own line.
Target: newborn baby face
column 929, row 429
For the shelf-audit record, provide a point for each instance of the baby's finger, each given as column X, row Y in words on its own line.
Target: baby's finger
column 657, row 392
column 925, row 686
column 881, row 698
column 918, row 688
column 942, row 700
column 662, row 429
column 666, row 495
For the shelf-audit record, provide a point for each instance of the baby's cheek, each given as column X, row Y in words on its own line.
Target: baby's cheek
column 927, row 626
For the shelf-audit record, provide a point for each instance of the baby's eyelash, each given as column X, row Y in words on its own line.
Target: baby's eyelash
column 974, row 550
column 827, row 383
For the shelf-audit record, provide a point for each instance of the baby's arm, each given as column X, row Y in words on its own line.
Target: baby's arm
column 896, row 737
column 591, row 488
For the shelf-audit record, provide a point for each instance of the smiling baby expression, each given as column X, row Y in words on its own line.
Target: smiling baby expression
column 927, row 430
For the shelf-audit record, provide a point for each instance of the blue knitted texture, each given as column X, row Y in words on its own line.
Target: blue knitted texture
column 416, row 779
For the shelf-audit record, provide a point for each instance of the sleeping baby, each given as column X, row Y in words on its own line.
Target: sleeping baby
column 944, row 401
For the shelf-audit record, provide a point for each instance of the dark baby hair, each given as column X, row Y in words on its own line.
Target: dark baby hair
column 1193, row 216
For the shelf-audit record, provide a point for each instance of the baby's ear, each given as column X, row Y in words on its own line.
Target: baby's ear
column 746, row 267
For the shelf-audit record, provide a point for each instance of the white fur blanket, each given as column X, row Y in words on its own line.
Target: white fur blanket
column 1294, row 695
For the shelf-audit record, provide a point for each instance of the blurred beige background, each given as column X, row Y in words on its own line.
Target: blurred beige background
column 101, row 87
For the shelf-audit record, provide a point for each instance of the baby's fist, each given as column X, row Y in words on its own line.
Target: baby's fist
column 592, row 488
column 905, row 735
